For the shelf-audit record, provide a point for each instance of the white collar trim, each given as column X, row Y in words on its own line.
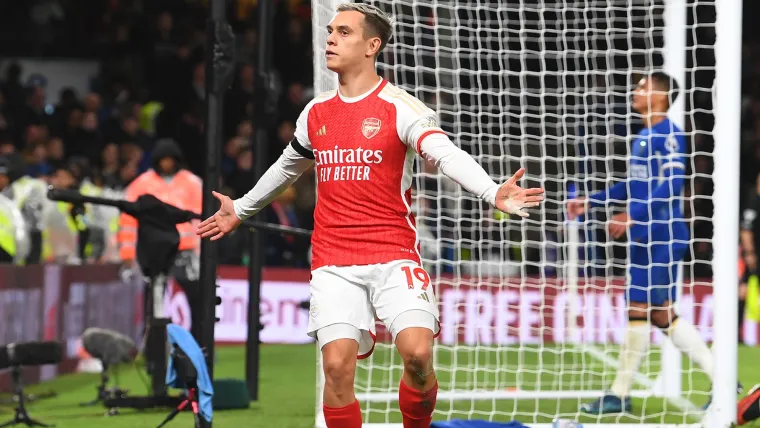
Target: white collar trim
column 359, row 97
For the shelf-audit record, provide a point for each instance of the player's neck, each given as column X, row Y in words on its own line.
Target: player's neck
column 652, row 119
column 355, row 83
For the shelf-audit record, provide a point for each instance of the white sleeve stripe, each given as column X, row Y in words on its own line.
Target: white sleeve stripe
column 672, row 164
column 420, row 105
column 414, row 104
column 415, row 109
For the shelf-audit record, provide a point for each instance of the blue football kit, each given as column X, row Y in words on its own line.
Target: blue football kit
column 658, row 236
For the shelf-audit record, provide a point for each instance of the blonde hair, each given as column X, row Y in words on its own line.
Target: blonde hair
column 377, row 22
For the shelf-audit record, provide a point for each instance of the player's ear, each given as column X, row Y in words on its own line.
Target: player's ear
column 373, row 47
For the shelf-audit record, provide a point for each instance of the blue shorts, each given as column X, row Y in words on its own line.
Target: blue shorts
column 653, row 272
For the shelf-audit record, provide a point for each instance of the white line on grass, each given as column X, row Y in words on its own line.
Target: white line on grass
column 683, row 404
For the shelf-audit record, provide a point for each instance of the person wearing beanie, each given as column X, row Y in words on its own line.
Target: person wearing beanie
column 169, row 181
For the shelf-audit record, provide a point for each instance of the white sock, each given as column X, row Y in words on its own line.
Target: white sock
column 635, row 345
column 687, row 339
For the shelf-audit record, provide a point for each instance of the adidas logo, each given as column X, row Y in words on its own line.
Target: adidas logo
column 322, row 131
column 424, row 296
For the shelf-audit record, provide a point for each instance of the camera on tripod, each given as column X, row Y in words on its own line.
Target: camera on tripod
column 157, row 248
column 17, row 355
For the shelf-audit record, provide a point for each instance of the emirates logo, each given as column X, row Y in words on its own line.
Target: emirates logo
column 370, row 127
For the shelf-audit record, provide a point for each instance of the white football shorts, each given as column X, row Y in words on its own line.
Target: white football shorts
column 345, row 299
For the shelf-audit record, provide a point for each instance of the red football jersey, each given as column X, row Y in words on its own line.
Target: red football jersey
column 364, row 150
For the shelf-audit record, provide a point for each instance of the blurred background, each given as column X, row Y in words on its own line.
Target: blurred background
column 86, row 94
column 107, row 97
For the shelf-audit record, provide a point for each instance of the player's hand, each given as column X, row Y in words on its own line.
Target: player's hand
column 513, row 199
column 576, row 208
column 222, row 223
column 619, row 224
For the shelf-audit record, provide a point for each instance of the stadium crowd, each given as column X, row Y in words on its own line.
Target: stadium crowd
column 151, row 88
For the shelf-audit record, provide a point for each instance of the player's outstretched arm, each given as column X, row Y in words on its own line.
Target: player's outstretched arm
column 578, row 206
column 459, row 166
column 418, row 128
column 618, row 192
column 278, row 177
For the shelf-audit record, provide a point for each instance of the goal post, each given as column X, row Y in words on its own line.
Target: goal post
column 727, row 107
column 533, row 311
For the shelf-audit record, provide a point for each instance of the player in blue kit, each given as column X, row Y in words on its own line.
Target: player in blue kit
column 658, row 238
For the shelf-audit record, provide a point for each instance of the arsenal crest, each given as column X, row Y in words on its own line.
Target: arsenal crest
column 370, row 127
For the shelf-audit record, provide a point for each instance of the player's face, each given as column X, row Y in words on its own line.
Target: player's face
column 346, row 45
column 647, row 98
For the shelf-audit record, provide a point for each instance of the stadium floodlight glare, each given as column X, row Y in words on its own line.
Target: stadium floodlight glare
column 533, row 310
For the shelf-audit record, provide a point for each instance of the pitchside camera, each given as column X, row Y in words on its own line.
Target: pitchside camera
column 30, row 354
column 17, row 355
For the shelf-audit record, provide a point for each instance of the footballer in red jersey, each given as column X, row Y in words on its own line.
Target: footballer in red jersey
column 363, row 138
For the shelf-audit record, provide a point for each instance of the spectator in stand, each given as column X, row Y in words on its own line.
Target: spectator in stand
column 230, row 155
column 241, row 179
column 245, row 129
column 283, row 249
column 36, row 161
column 6, row 143
column 109, row 165
column 171, row 183
column 168, row 181
column 56, row 153
column 750, row 230
column 750, row 242
column 239, row 100
column 152, row 87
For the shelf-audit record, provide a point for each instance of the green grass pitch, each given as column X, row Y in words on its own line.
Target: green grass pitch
column 288, row 376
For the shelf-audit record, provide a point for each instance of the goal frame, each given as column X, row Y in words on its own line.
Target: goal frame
column 727, row 100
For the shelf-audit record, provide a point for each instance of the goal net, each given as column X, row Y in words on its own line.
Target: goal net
column 533, row 311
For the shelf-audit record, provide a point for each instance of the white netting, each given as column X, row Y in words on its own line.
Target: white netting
column 545, row 85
